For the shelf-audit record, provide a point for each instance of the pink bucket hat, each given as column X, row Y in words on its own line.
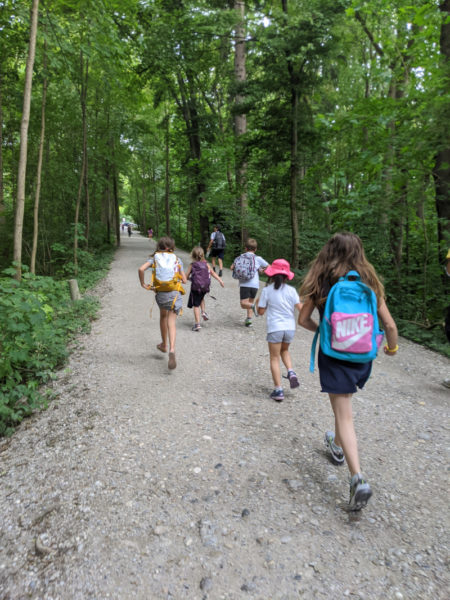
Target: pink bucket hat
column 280, row 267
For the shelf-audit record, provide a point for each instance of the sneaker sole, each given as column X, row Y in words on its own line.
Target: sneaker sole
column 277, row 399
column 361, row 499
column 337, row 460
column 293, row 382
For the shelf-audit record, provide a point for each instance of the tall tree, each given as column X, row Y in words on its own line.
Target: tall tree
column 294, row 84
column 240, row 118
column 441, row 169
column 39, row 166
column 20, row 204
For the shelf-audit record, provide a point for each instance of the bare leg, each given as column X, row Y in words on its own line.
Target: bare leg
column 247, row 305
column 285, row 356
column 345, row 435
column 172, row 329
column 197, row 314
column 274, row 351
column 163, row 314
column 220, row 263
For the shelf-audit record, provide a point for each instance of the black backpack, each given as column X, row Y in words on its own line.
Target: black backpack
column 219, row 241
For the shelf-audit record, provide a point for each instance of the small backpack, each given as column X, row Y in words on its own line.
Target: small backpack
column 219, row 241
column 349, row 328
column 166, row 273
column 244, row 267
column 200, row 277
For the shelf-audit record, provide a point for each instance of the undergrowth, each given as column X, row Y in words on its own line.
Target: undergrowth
column 38, row 320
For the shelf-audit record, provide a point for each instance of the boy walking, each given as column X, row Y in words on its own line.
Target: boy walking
column 216, row 247
column 246, row 268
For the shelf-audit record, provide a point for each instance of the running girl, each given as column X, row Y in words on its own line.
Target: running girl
column 339, row 378
column 279, row 300
column 169, row 275
column 200, row 273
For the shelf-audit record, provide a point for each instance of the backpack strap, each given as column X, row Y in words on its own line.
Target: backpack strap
column 313, row 351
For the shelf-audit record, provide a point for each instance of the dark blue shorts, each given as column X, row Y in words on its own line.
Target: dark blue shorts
column 342, row 376
column 218, row 252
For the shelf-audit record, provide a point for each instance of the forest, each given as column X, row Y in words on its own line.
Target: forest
column 283, row 120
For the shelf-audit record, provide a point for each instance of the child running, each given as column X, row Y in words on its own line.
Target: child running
column 340, row 378
column 248, row 288
column 168, row 275
column 200, row 273
column 279, row 300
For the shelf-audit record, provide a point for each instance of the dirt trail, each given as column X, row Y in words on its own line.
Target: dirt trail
column 142, row 483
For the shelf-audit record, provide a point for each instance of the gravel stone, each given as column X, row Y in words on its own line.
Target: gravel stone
column 133, row 483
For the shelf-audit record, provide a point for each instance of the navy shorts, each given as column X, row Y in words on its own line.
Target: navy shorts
column 218, row 252
column 195, row 298
column 341, row 376
column 247, row 292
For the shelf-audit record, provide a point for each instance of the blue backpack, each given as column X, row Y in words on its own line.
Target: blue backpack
column 349, row 328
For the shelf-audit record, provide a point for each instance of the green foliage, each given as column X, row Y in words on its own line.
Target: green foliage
column 37, row 322
column 431, row 337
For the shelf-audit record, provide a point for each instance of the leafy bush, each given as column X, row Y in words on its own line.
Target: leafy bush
column 37, row 320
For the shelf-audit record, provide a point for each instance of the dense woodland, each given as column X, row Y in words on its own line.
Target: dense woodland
column 285, row 120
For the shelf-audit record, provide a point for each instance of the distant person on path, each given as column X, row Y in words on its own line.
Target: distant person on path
column 200, row 273
column 279, row 301
column 340, row 378
column 216, row 247
column 246, row 268
column 129, row 230
column 123, row 226
column 150, row 233
column 167, row 277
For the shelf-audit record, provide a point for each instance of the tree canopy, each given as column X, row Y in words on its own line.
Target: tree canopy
column 285, row 120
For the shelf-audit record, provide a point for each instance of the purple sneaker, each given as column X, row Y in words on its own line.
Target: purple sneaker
column 293, row 379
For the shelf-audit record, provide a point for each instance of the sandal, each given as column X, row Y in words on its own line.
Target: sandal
column 161, row 347
column 172, row 360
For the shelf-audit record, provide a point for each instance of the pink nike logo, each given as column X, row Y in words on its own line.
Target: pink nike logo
column 352, row 332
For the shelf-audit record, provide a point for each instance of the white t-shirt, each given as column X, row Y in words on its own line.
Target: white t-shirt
column 260, row 263
column 279, row 305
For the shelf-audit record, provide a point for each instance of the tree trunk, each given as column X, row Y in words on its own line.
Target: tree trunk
column 240, row 119
column 116, row 202
column 20, row 204
column 441, row 170
column 294, row 170
column 188, row 107
column 155, row 203
column 39, row 166
column 2, row 196
column 167, row 180
column 294, row 177
column 85, row 149
column 83, row 162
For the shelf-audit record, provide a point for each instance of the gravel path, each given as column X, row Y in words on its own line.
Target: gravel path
column 142, row 483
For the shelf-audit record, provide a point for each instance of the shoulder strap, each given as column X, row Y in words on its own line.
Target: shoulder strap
column 313, row 351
